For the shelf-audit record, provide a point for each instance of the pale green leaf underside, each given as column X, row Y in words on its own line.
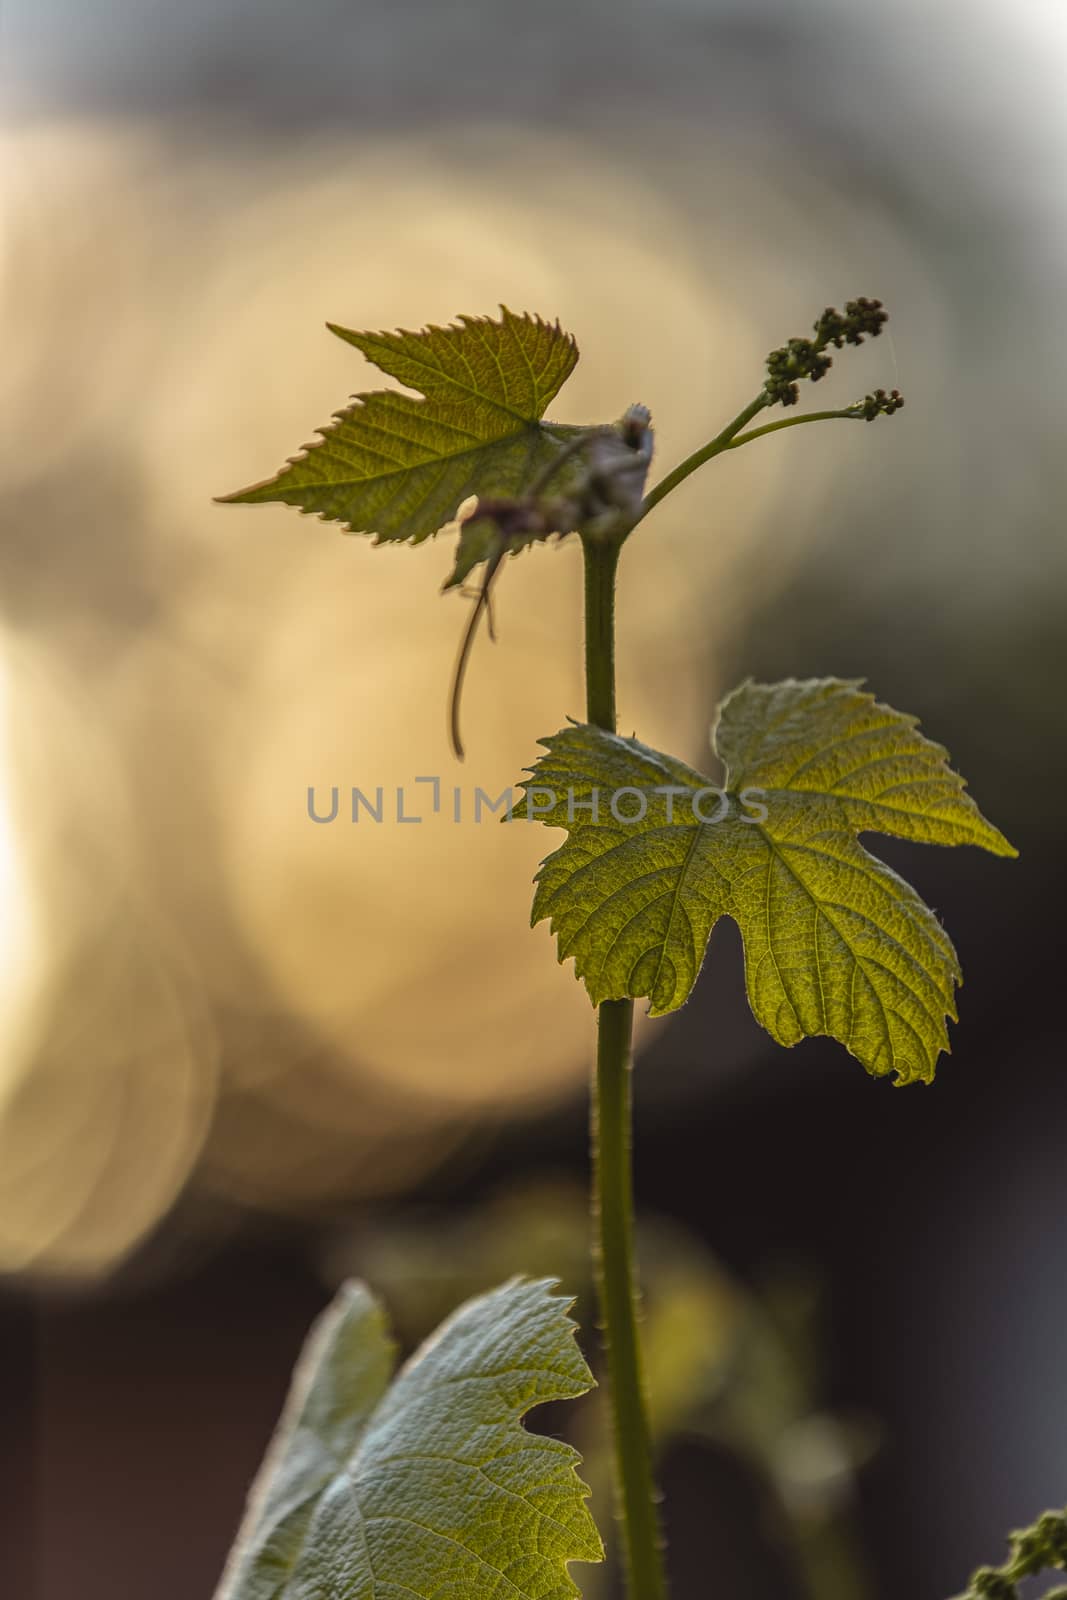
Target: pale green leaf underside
column 428, row 1487
column 400, row 466
column 835, row 942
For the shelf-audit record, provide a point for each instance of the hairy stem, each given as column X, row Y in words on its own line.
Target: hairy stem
column 601, row 564
column 612, row 1172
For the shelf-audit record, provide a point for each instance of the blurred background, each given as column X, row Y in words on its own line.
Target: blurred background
column 242, row 1056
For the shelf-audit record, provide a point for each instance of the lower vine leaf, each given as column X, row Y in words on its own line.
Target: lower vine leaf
column 428, row 1485
column 835, row 942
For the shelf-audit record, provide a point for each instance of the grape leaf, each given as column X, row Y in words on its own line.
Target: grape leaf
column 428, row 1486
column 835, row 942
column 399, row 466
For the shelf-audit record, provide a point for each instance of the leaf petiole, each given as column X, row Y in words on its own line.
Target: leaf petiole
column 569, row 451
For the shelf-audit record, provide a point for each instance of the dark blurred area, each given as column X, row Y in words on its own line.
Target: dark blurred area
column 241, row 1056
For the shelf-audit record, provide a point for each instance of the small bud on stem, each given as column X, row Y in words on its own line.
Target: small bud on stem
column 806, row 358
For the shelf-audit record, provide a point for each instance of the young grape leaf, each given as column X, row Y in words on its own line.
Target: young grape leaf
column 399, row 466
column 428, row 1486
column 835, row 942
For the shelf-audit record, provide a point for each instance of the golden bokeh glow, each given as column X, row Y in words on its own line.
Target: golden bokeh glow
column 18, row 932
column 283, row 1011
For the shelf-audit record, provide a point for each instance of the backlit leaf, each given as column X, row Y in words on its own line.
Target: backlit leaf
column 428, row 1486
column 835, row 942
column 400, row 465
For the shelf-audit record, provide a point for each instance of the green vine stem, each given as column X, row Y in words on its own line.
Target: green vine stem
column 612, row 1172
column 714, row 447
column 731, row 438
column 601, row 564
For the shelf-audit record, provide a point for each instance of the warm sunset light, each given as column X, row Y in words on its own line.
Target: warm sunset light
column 404, row 419
column 18, row 933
